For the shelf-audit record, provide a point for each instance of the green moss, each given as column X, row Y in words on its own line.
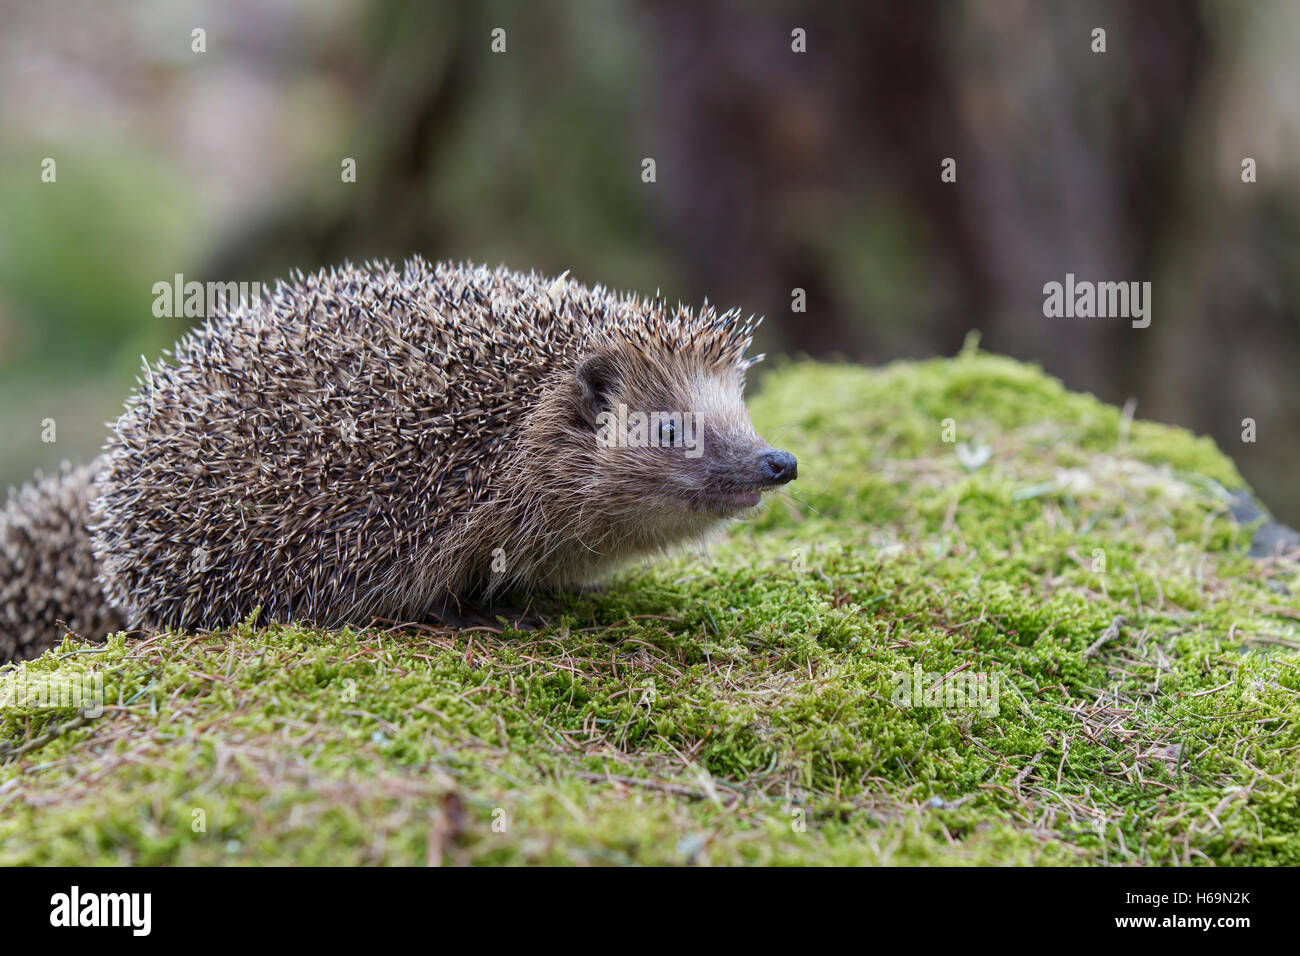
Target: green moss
column 740, row 707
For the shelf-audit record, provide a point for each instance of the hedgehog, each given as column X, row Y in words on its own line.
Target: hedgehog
column 369, row 443
column 47, row 570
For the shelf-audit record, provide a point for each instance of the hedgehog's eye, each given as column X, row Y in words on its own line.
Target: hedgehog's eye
column 667, row 432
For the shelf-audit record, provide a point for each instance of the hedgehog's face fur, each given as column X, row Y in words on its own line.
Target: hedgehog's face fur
column 671, row 439
column 638, row 451
column 638, row 442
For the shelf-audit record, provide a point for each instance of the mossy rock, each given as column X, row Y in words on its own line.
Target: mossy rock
column 744, row 706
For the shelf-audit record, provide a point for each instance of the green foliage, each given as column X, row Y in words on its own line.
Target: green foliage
column 739, row 707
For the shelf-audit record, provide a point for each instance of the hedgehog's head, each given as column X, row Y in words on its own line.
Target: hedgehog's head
column 665, row 438
column 638, row 441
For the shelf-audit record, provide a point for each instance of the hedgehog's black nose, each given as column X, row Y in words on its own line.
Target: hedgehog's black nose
column 777, row 467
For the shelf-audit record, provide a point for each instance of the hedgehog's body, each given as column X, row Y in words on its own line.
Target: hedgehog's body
column 47, row 572
column 367, row 442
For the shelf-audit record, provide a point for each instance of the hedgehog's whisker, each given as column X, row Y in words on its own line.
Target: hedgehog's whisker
column 791, row 496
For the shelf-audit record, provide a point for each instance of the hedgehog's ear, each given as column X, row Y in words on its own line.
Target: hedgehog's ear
column 594, row 381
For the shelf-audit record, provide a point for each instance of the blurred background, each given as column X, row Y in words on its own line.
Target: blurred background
column 775, row 170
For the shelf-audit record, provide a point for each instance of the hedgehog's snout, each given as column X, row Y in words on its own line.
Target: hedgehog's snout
column 776, row 467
